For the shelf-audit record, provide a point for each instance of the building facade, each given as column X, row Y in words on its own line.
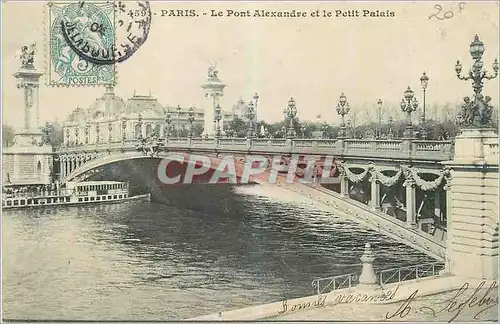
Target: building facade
column 111, row 119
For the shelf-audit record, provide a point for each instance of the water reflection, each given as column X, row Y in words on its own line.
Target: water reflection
column 151, row 261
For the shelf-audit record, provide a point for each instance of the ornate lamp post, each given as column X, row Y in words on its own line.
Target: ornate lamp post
column 67, row 135
column 389, row 134
column 217, row 117
column 77, row 135
column 97, row 131
column 139, row 123
column 191, row 120
column 124, row 129
column 349, row 128
column 379, row 106
column 477, row 112
column 178, row 121
column 256, row 100
column 424, row 81
column 303, row 130
column 408, row 105
column 250, row 114
column 87, row 129
column 343, row 109
column 324, row 129
column 110, row 131
column 291, row 112
column 168, row 121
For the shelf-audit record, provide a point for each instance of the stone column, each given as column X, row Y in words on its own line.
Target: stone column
column 437, row 203
column 472, row 210
column 410, row 203
column 62, row 168
column 344, row 185
column 375, row 192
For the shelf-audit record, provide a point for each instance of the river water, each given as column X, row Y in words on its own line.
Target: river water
column 164, row 261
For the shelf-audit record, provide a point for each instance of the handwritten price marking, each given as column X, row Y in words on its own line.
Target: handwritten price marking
column 448, row 14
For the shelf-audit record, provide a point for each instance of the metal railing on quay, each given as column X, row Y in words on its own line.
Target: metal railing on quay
column 329, row 284
column 410, row 273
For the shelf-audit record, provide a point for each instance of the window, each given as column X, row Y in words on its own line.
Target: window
column 92, row 198
column 120, row 196
column 16, row 202
column 67, row 199
column 109, row 197
column 103, row 197
column 86, row 199
column 80, row 199
column 23, row 202
column 30, row 201
column 9, row 203
column 114, row 197
column 98, row 198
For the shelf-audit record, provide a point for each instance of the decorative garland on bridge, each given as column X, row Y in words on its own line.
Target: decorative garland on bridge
column 410, row 173
column 429, row 185
column 356, row 178
column 386, row 180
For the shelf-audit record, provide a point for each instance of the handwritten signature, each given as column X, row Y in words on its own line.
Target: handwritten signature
column 455, row 304
column 448, row 14
column 319, row 302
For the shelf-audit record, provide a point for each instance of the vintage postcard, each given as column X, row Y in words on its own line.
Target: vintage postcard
column 250, row 161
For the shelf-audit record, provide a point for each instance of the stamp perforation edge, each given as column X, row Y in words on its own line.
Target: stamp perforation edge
column 47, row 61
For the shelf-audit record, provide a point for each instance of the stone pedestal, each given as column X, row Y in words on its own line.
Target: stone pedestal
column 28, row 161
column 472, row 240
column 368, row 279
column 27, row 165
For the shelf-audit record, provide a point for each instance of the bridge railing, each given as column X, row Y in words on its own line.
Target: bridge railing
column 402, row 148
column 410, row 273
column 326, row 285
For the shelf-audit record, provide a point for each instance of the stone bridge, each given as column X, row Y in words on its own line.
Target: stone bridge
column 397, row 187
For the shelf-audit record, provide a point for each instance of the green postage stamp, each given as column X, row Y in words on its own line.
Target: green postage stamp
column 77, row 33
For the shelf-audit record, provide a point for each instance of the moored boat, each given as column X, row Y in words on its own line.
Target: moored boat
column 74, row 193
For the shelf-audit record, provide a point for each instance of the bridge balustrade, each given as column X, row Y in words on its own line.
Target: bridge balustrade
column 403, row 149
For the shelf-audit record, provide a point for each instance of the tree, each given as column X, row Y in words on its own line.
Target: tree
column 238, row 126
column 56, row 136
column 7, row 135
column 198, row 130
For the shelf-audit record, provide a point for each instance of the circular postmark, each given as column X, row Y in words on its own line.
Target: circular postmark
column 106, row 33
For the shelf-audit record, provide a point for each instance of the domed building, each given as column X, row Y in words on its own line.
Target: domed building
column 110, row 119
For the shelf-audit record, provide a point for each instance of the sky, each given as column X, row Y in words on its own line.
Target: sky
column 313, row 60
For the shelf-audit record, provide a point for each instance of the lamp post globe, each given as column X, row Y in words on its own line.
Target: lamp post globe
column 291, row 112
column 191, row 120
column 379, row 106
column 408, row 105
column 424, row 81
column 343, row 109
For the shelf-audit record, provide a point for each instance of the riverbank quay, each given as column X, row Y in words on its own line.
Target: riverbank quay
column 439, row 299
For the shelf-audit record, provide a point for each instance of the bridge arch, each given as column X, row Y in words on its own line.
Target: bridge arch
column 242, row 167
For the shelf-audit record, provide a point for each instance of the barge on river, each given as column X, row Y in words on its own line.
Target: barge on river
column 74, row 193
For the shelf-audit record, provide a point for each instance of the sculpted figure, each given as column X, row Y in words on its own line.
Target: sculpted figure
column 467, row 111
column 212, row 72
column 28, row 54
